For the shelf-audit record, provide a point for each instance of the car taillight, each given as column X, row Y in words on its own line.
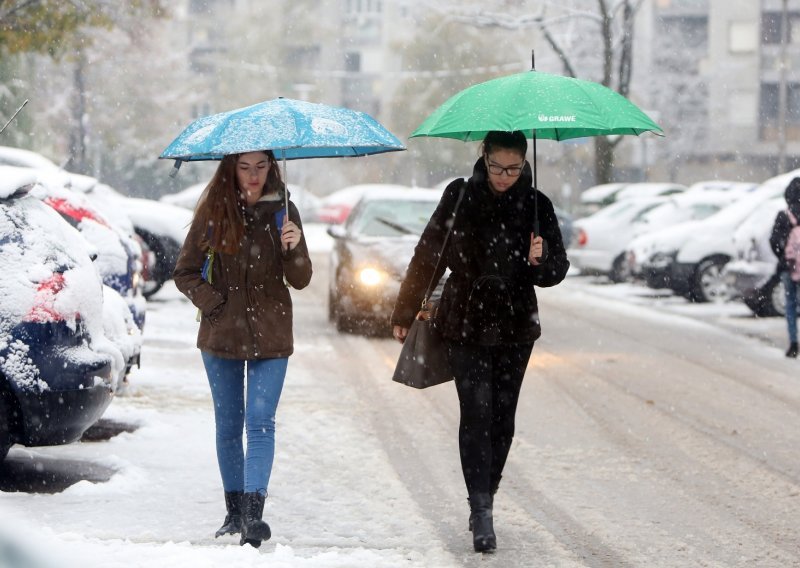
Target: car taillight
column 78, row 214
column 43, row 309
column 583, row 238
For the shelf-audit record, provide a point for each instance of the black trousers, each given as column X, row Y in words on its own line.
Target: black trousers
column 488, row 380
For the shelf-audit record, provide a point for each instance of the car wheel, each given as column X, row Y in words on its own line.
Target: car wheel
column 710, row 284
column 620, row 271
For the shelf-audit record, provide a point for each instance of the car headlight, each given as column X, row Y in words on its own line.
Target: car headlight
column 371, row 276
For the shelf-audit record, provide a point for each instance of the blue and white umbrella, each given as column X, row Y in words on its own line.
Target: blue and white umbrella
column 292, row 129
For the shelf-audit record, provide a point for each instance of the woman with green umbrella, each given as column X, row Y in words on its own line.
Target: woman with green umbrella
column 488, row 312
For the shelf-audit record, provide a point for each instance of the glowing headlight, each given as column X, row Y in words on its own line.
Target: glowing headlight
column 370, row 276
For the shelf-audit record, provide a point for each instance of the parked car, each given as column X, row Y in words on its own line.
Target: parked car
column 605, row 238
column 160, row 227
column 716, row 185
column 689, row 258
column 752, row 275
column 58, row 370
column 648, row 189
column 371, row 253
column 118, row 254
column 306, row 202
column 335, row 207
column 594, row 198
column 600, row 239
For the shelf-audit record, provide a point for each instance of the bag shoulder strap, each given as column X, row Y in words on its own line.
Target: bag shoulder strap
column 432, row 283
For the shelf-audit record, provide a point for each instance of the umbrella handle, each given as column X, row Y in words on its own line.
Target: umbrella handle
column 535, row 190
column 174, row 171
column 285, row 189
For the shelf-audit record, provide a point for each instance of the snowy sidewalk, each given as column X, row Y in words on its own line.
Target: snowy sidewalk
column 335, row 500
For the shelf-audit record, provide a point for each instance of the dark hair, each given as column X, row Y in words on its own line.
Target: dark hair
column 792, row 193
column 222, row 203
column 509, row 140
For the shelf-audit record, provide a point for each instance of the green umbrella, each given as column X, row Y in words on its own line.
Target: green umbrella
column 539, row 104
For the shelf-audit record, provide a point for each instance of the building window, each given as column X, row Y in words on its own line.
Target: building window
column 771, row 27
column 364, row 6
column 768, row 111
column 352, row 62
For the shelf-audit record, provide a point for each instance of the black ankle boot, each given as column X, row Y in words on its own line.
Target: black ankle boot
column 792, row 352
column 233, row 520
column 495, row 485
column 480, row 518
column 254, row 530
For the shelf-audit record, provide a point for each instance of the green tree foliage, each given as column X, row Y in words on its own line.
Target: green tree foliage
column 44, row 26
column 49, row 26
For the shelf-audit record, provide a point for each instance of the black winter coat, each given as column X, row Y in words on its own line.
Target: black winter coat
column 780, row 234
column 489, row 296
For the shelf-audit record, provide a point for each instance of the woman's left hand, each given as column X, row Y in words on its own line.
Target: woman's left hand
column 537, row 251
column 290, row 235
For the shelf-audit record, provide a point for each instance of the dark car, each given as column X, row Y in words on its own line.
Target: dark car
column 371, row 253
column 56, row 365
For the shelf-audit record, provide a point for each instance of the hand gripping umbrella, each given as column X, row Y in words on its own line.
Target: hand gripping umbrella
column 540, row 105
column 291, row 129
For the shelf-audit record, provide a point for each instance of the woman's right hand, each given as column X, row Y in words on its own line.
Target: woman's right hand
column 400, row 333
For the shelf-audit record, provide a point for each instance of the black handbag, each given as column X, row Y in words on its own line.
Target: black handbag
column 423, row 359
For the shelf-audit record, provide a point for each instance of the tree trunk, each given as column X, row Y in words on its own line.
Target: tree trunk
column 603, row 160
column 78, row 161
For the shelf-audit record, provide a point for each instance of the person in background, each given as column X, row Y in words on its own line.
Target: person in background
column 236, row 262
column 488, row 311
column 784, row 223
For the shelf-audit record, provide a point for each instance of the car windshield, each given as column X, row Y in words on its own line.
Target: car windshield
column 392, row 218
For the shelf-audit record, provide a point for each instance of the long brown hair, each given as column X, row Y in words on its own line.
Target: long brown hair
column 222, row 204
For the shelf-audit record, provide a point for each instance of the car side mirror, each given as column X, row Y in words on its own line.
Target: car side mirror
column 336, row 231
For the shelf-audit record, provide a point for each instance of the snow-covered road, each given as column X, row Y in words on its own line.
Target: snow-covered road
column 644, row 438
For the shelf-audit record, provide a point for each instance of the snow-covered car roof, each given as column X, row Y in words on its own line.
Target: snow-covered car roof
column 598, row 193
column 19, row 157
column 402, row 193
column 643, row 189
column 13, row 179
column 722, row 185
column 351, row 194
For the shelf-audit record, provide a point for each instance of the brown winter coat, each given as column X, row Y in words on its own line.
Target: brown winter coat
column 247, row 309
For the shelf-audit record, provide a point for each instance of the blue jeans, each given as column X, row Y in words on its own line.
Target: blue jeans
column 248, row 472
column 790, row 293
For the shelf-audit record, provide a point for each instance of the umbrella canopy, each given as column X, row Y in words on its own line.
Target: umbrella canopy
column 292, row 129
column 539, row 104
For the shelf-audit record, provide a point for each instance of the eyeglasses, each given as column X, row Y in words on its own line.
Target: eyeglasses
column 511, row 171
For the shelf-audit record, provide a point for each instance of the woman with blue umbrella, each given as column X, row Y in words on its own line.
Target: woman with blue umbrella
column 237, row 263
